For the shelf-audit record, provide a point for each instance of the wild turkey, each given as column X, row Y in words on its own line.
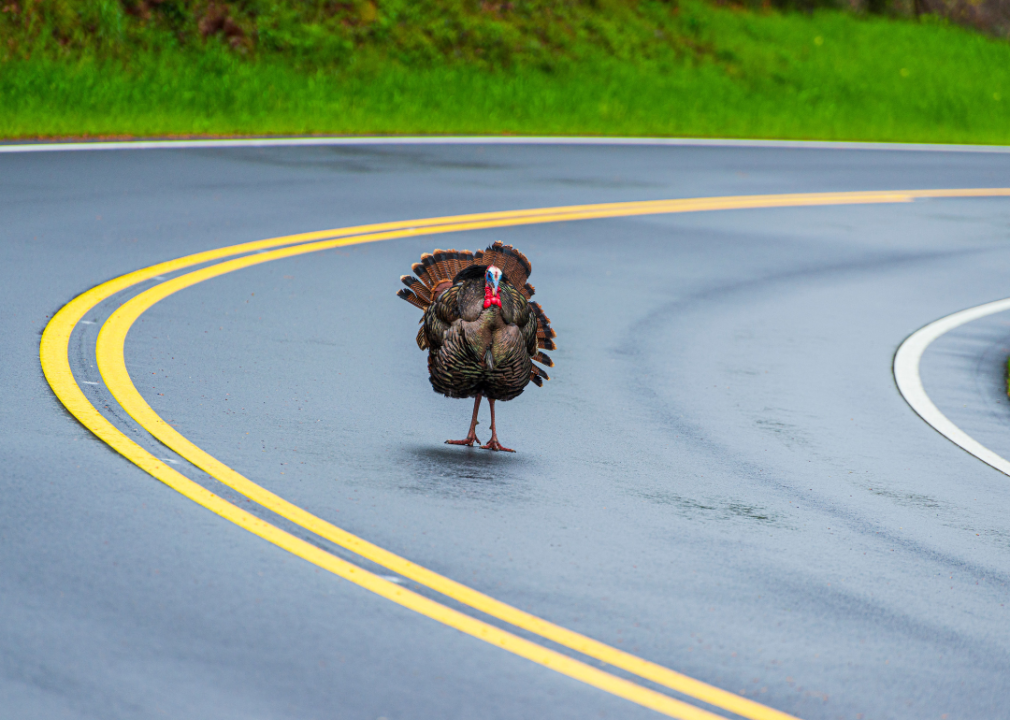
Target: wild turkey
column 480, row 330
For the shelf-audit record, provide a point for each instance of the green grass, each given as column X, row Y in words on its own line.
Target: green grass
column 656, row 70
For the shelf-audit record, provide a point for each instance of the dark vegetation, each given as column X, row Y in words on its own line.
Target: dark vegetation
column 322, row 33
column 311, row 35
column 878, row 69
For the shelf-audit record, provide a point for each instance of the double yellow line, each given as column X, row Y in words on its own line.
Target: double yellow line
column 112, row 366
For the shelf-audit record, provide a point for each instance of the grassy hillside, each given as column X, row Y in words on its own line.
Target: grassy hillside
column 110, row 68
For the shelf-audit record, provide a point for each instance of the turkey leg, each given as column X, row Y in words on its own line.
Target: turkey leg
column 472, row 437
column 493, row 443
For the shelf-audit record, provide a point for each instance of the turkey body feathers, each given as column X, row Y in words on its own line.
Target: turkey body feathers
column 476, row 350
column 473, row 350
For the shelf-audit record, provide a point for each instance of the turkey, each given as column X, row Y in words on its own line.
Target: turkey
column 481, row 331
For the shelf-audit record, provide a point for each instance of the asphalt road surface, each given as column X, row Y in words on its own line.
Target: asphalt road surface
column 721, row 477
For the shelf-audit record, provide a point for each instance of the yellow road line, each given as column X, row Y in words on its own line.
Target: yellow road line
column 55, row 362
column 112, row 366
column 53, row 353
column 391, row 591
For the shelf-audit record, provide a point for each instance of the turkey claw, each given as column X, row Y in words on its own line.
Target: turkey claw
column 468, row 441
column 495, row 445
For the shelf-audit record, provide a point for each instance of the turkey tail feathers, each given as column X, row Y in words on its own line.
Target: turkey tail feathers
column 413, row 299
column 545, row 333
column 538, row 374
column 545, row 339
column 434, row 276
column 417, row 286
column 444, row 264
column 437, row 270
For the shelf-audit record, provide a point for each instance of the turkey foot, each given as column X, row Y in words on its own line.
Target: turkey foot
column 493, row 443
column 468, row 441
column 471, row 438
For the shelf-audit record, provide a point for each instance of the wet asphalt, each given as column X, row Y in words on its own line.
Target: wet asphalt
column 721, row 476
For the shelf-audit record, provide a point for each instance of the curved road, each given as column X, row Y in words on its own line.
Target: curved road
column 721, row 477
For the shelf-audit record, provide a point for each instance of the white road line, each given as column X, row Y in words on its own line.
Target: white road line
column 906, row 374
column 29, row 147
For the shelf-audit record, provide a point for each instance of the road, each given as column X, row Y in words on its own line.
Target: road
column 720, row 478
